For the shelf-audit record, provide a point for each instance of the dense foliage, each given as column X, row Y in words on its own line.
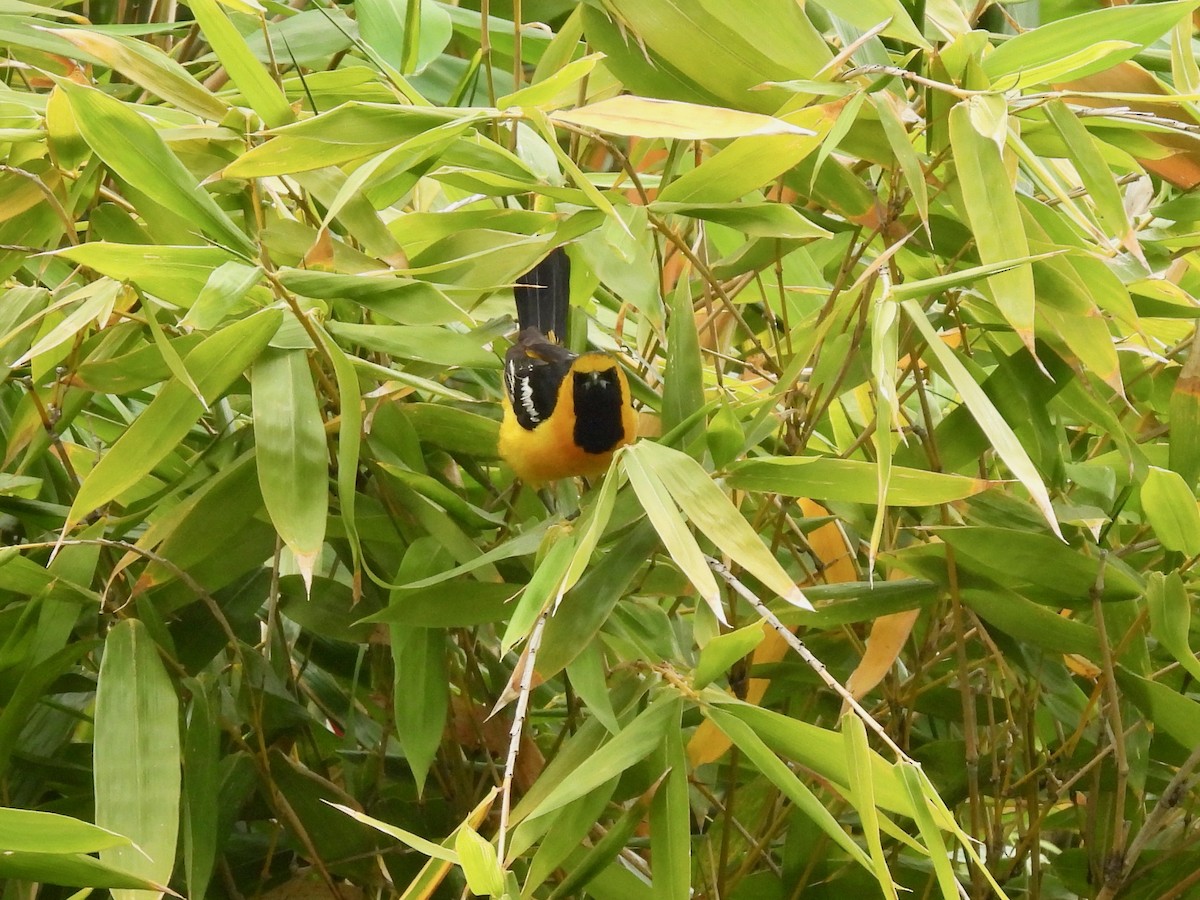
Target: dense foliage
column 907, row 293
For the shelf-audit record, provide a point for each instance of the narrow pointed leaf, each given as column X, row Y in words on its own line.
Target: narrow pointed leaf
column 293, row 458
column 714, row 514
column 999, row 432
column 214, row 365
column 131, row 147
column 137, row 755
column 991, row 206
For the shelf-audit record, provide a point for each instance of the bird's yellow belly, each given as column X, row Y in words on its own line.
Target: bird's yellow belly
column 548, row 452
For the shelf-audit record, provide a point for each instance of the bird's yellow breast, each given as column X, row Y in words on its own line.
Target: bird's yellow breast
column 548, row 452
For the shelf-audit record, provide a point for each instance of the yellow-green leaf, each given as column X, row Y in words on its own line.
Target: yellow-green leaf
column 293, row 459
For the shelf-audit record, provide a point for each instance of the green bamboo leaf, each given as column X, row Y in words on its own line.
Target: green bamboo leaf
column 422, row 343
column 130, row 146
column 590, row 530
column 1033, row 623
column 137, row 755
column 1080, row 45
column 752, row 217
column 169, row 354
column 1172, row 713
column 671, row 528
column 559, row 89
column 725, row 50
column 1171, row 618
column 746, row 164
column 408, row 34
column 222, row 292
column 214, row 365
column 724, row 650
column 683, row 384
column 93, row 301
column 479, row 863
column 32, row 831
column 885, row 317
column 925, row 287
column 709, row 510
column 589, row 677
column 604, row 851
column 149, row 68
column 586, row 608
column 1093, row 170
column 352, row 131
column 906, row 155
column 421, row 695
column 822, row 751
column 1185, row 421
column 724, row 436
column 670, row 826
column 418, row 843
column 293, row 459
column 559, row 834
column 1050, row 566
column 201, row 790
column 73, row 870
column 544, row 587
column 999, row 432
column 871, row 13
column 917, row 786
column 862, row 790
column 349, row 437
column 633, row 744
column 648, row 117
column 175, row 274
column 978, row 128
column 250, row 76
column 1171, row 509
column 760, row 756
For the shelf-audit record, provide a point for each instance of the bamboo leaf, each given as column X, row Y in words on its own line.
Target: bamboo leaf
column 137, row 755
column 850, row 481
column 251, row 77
column 977, row 130
column 1171, row 509
column 707, row 507
column 150, row 69
column 760, row 755
column 418, row 843
column 293, row 460
column 214, row 365
column 670, row 826
column 131, row 147
column 999, row 432
column 1080, row 45
column 1171, row 618
column 648, row 117
column 862, row 790
column 930, row 832
column 33, row 831
column 724, row 650
column 479, row 863
column 664, row 515
column 633, row 744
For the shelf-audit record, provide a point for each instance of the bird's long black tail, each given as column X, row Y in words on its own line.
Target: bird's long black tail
column 543, row 295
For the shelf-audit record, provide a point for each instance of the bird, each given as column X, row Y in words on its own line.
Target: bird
column 565, row 414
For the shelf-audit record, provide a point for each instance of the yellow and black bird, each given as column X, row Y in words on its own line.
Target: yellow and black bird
column 564, row 413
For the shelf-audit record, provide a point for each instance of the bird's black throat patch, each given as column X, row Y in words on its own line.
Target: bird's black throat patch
column 598, row 403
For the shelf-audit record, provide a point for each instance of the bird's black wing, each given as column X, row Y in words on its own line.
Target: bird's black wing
column 534, row 368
